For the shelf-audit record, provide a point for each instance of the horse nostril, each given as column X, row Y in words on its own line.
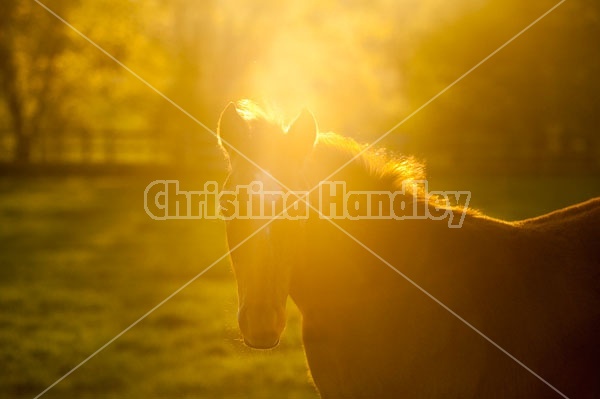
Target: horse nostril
column 261, row 326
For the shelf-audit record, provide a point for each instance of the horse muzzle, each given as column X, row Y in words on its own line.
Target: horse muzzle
column 261, row 326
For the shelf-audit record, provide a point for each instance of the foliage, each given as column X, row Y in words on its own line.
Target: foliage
column 341, row 60
column 535, row 99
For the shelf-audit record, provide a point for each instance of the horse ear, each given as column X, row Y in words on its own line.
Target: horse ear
column 303, row 132
column 232, row 129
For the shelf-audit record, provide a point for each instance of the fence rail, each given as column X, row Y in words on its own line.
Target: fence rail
column 113, row 147
column 143, row 150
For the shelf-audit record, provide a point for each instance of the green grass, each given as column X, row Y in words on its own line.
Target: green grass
column 80, row 261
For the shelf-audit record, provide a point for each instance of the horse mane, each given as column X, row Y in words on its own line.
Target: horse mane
column 377, row 168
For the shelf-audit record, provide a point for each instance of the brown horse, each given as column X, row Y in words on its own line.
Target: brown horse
column 490, row 294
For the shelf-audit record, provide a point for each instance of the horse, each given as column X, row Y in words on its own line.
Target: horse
column 418, row 309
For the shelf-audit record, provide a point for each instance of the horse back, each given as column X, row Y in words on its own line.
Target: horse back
column 578, row 224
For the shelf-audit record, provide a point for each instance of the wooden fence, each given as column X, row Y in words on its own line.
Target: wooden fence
column 103, row 148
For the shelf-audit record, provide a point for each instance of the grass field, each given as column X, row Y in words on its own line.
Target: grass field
column 80, row 261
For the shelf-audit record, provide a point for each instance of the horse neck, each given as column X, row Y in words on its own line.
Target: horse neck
column 456, row 265
column 334, row 267
column 338, row 272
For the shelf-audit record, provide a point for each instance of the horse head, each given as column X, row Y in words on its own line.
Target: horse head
column 265, row 156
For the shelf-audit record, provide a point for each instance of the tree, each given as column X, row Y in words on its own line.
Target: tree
column 538, row 91
column 27, row 70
